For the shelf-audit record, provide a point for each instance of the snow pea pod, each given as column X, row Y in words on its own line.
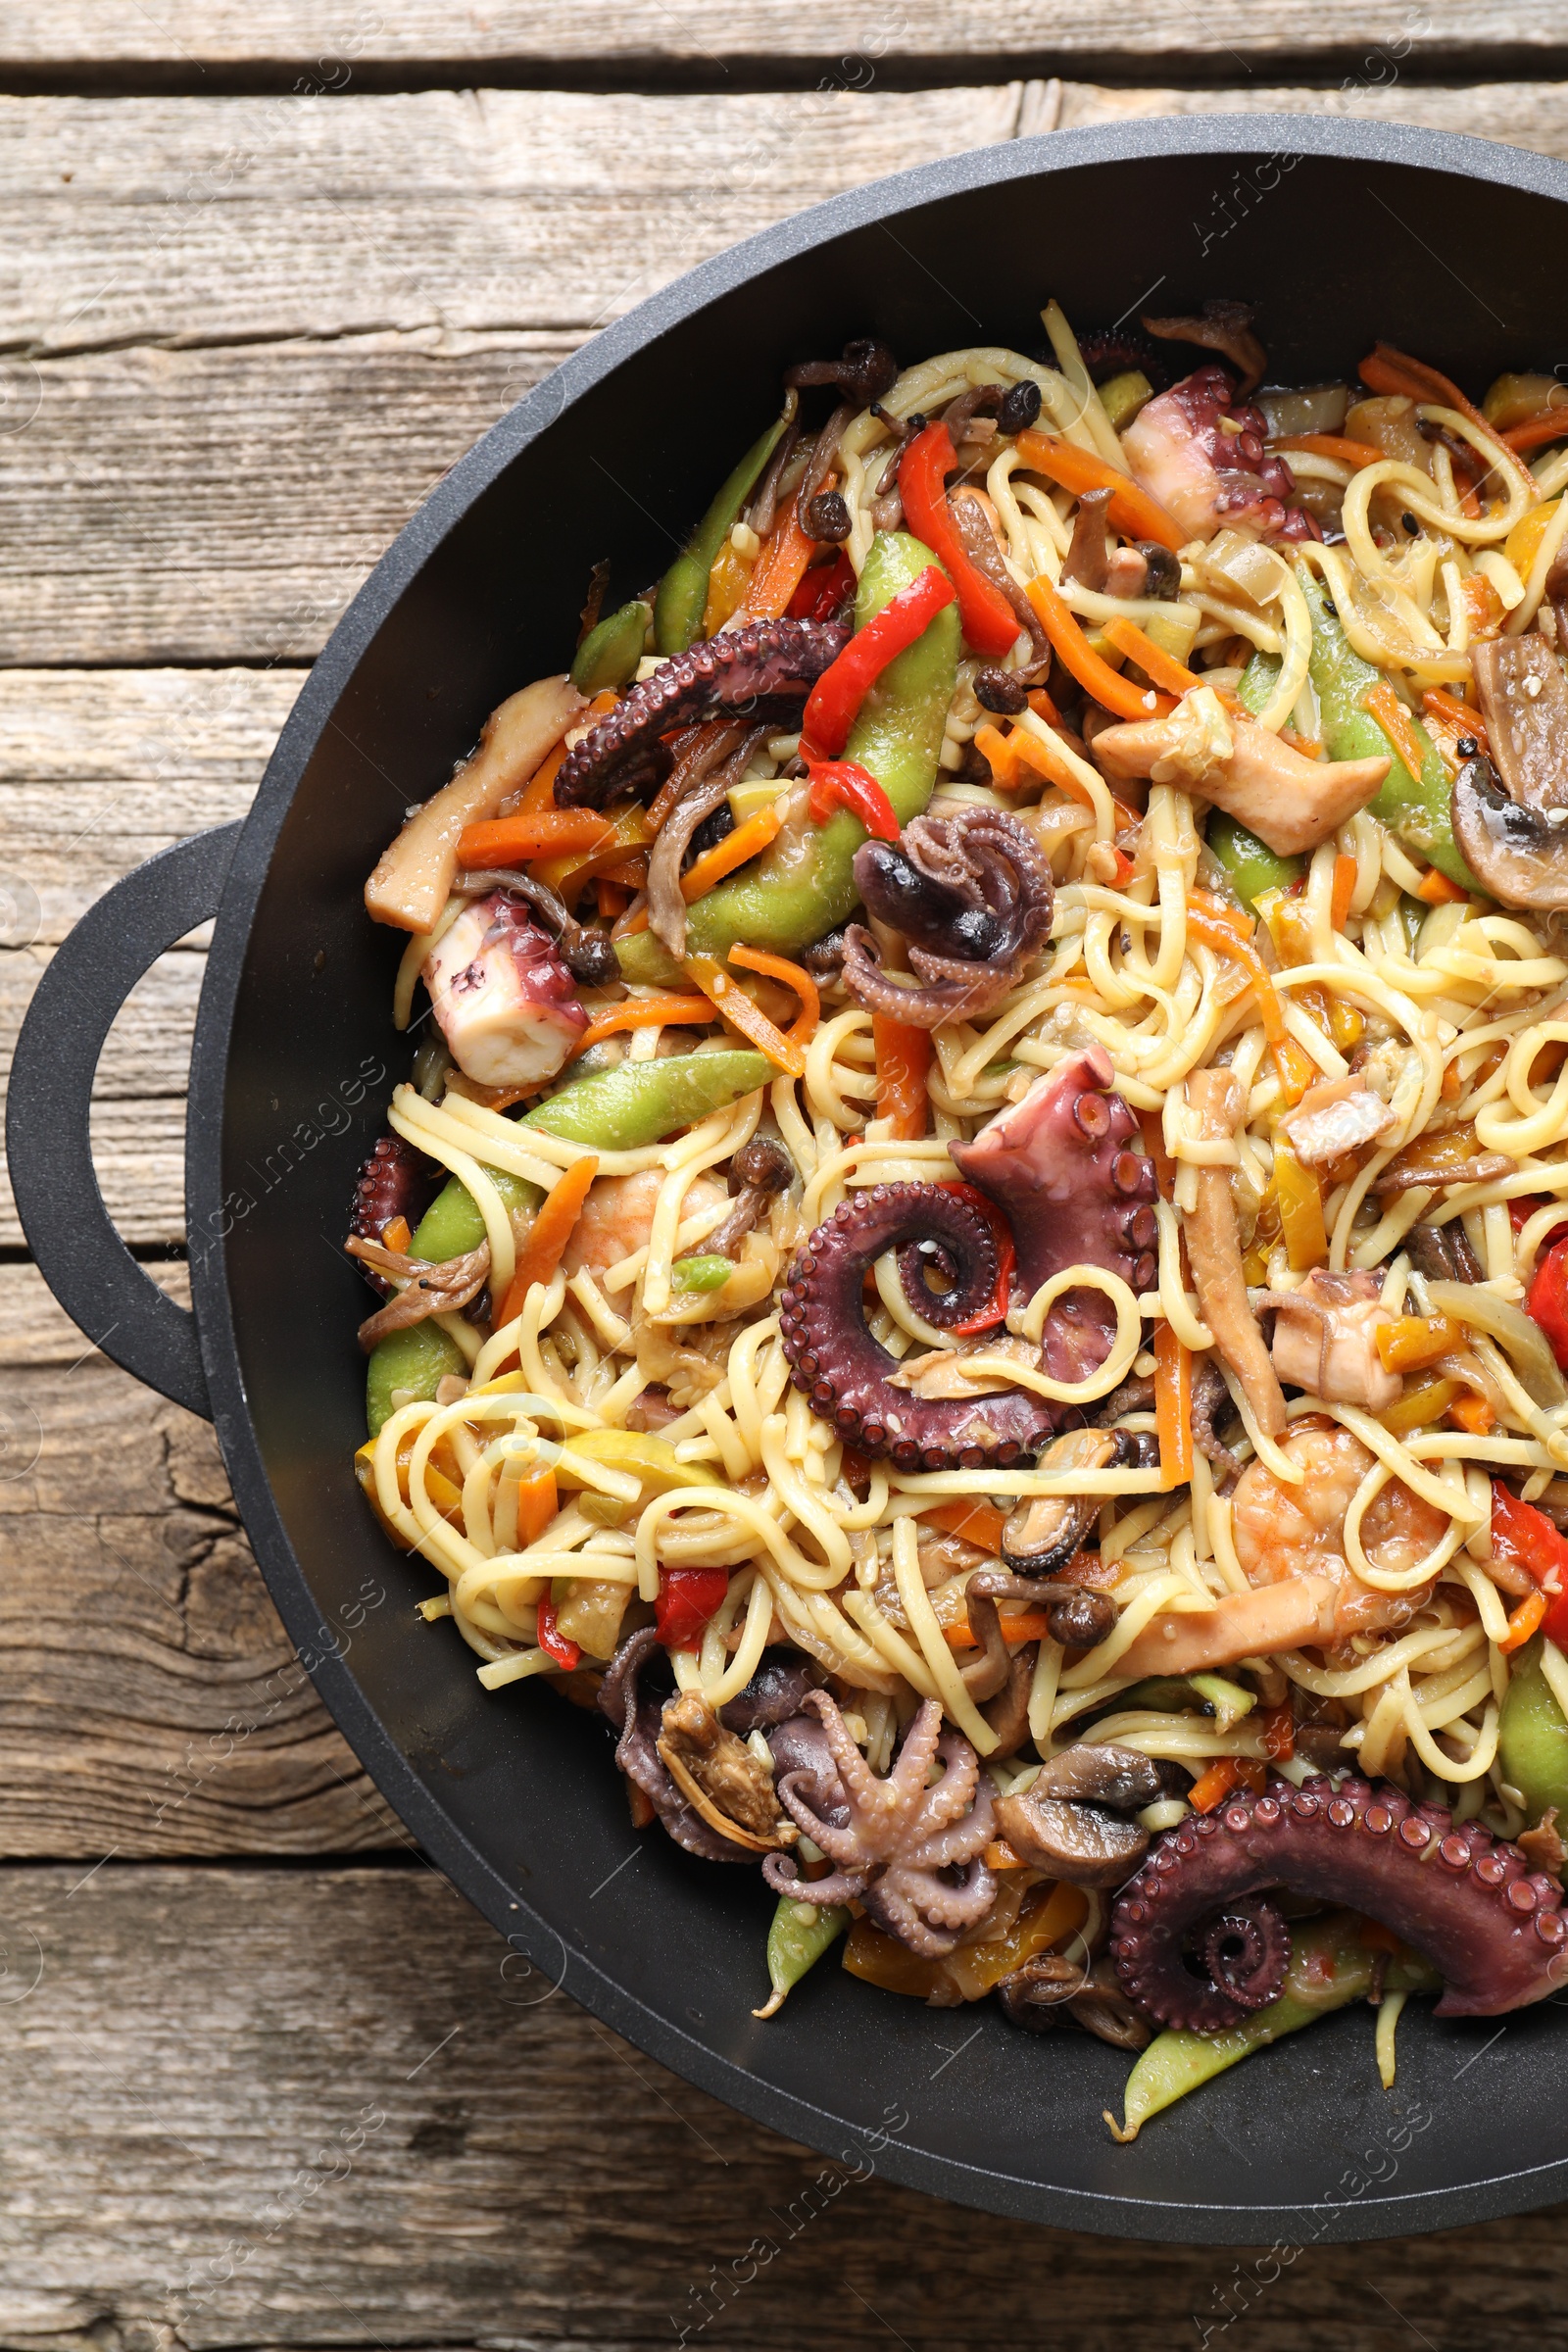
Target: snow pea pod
column 804, row 885
column 798, row 1937
column 408, row 1364
column 1418, row 808
column 1329, row 1967
column 1533, row 1737
column 640, row 1102
column 609, row 653
column 682, row 594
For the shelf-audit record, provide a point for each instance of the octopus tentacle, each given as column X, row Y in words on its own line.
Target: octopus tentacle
column 762, row 672
column 1495, row 1929
column 848, row 1374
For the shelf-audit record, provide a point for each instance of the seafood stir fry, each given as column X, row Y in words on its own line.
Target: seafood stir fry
column 975, row 1246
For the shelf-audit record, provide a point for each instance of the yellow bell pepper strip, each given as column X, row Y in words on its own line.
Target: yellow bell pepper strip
column 804, row 885
column 803, row 1027
column 1426, row 1402
column 1173, row 1407
column 747, row 840
column 979, row 1962
column 836, row 696
column 549, row 1233
column 1412, row 1341
column 1132, row 511
column 1159, row 666
column 443, row 1493
column 644, row 1012
column 903, row 1062
column 731, row 1003
column 1300, row 1205
column 540, row 833
column 1102, row 683
column 682, row 593
column 990, row 623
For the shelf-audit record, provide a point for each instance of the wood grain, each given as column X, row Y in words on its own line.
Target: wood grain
column 150, row 1701
column 629, row 32
column 308, row 2109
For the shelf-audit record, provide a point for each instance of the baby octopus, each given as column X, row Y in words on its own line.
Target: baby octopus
column 909, row 1853
column 1060, row 1167
column 1202, row 456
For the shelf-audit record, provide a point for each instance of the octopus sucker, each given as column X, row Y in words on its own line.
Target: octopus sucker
column 762, row 671
column 1493, row 1928
column 1059, row 1167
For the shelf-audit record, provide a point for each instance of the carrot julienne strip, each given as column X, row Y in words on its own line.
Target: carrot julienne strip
column 1160, row 667
column 1098, row 679
column 733, row 851
column 1132, row 511
column 644, row 1012
column 552, row 1229
column 803, row 1027
column 732, row 1005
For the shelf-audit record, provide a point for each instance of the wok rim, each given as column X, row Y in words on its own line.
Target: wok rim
column 1007, row 2193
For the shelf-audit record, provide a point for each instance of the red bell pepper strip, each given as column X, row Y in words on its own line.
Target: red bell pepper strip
column 1527, row 1539
column 554, row 1643
column 845, row 684
column 995, row 1308
column 990, row 622
column 1549, row 1298
column 846, row 784
column 687, row 1600
column 823, row 589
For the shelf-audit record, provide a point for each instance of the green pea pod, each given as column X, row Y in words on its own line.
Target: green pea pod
column 413, row 1362
column 609, row 653
column 702, row 1273
column 683, row 591
column 804, row 884
column 1533, row 1737
column 800, row 1934
column 1418, row 808
column 1329, row 1967
column 452, row 1224
column 1252, row 865
column 640, row 1102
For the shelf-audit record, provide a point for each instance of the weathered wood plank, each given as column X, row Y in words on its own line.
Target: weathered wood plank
column 1518, row 114
column 102, row 33
column 150, row 1701
column 309, row 2109
column 149, row 220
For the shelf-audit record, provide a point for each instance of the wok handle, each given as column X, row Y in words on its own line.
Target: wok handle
column 48, row 1143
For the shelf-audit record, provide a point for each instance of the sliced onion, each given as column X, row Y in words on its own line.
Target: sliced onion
column 1540, row 1375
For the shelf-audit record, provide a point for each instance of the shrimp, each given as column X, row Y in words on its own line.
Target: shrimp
column 1283, row 1533
column 1289, row 1543
column 617, row 1217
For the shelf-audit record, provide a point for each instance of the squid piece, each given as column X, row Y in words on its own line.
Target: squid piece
column 1214, row 1247
column 1290, row 802
column 506, row 1005
column 413, row 878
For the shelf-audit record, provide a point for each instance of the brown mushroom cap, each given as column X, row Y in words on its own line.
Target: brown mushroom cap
column 1088, row 1844
column 1101, row 1772
column 1518, row 856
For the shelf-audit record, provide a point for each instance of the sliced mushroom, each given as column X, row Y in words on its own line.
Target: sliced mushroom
column 1225, row 327
column 760, row 1171
column 1088, row 560
column 1213, row 1245
column 1443, row 1253
column 1518, row 856
column 1524, row 700
column 1052, row 1989
column 1042, row 1534
column 1072, row 1820
column 719, row 1778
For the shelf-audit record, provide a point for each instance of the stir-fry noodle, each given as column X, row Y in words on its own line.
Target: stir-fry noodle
column 977, row 1242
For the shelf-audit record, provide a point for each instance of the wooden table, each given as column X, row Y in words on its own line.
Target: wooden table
column 264, row 272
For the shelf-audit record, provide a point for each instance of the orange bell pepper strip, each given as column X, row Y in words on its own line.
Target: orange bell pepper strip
column 1132, row 511
column 1390, row 371
column 782, row 564
column 747, row 839
column 1098, row 679
column 537, row 1503
column 903, row 1062
column 1154, row 663
column 1438, row 891
column 731, row 1003
column 1332, row 445
column 1473, row 1413
column 1173, row 1407
column 803, row 1027
column 1345, row 872
column 538, row 833
column 642, row 1012
column 552, row 1229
